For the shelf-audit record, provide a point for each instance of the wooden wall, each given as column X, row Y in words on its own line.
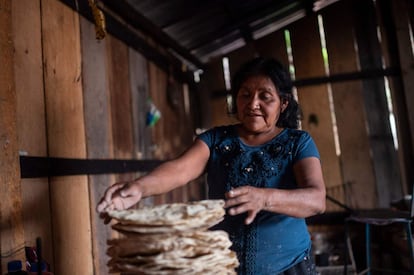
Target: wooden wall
column 71, row 96
column 361, row 166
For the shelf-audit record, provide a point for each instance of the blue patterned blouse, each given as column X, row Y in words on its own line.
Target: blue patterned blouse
column 273, row 242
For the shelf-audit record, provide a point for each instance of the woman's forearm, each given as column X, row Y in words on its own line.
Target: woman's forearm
column 301, row 203
column 163, row 179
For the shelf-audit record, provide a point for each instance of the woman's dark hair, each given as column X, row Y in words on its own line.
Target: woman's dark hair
column 281, row 79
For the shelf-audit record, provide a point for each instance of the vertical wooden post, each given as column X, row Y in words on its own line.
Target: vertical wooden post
column 375, row 101
column 11, row 233
column 402, row 14
column 66, row 137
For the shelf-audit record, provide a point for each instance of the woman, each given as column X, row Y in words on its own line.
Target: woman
column 268, row 171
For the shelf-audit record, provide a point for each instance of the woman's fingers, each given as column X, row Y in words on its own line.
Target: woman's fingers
column 106, row 201
column 102, row 206
column 244, row 199
column 250, row 217
column 119, row 196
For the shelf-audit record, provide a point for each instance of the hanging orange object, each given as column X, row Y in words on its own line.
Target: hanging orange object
column 99, row 17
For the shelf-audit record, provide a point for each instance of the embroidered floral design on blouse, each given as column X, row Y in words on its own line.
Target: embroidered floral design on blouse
column 258, row 166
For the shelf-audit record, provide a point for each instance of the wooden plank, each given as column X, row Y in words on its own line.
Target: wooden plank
column 376, row 105
column 274, row 45
column 314, row 100
column 11, row 233
column 31, row 121
column 215, row 109
column 168, row 126
column 391, row 57
column 177, row 128
column 66, row 137
column 211, row 77
column 98, row 131
column 356, row 163
column 240, row 56
column 120, row 101
column 158, row 87
column 138, row 68
column 120, row 98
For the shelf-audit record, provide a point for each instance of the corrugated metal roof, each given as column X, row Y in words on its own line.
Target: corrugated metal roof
column 197, row 30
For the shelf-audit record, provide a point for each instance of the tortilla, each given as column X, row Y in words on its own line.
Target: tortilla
column 171, row 239
column 171, row 214
column 142, row 244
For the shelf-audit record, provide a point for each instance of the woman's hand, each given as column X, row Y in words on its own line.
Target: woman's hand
column 246, row 199
column 120, row 196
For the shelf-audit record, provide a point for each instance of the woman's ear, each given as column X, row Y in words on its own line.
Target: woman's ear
column 284, row 105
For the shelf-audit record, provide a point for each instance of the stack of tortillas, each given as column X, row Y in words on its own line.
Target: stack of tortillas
column 171, row 239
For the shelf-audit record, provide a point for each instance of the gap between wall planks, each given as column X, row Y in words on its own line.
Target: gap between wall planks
column 12, row 232
column 31, row 121
column 98, row 133
column 356, row 163
column 66, row 137
column 314, row 100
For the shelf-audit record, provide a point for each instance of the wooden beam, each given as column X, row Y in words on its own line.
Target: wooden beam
column 342, row 77
column 335, row 78
column 37, row 167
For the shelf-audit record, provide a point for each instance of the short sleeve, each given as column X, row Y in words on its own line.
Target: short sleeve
column 214, row 135
column 306, row 147
column 207, row 137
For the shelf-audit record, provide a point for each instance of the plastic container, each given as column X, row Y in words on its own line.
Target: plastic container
column 15, row 268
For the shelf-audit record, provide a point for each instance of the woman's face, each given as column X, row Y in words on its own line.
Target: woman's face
column 258, row 104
